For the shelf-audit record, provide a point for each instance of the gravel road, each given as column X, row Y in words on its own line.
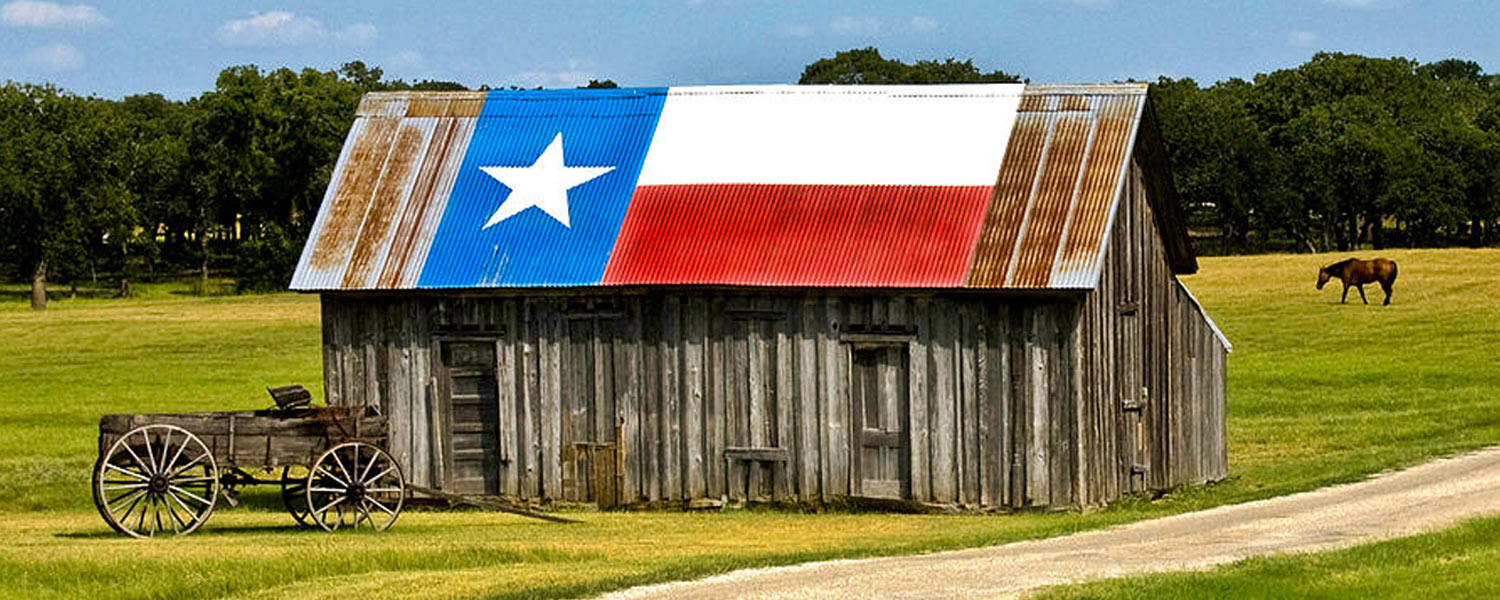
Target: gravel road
column 1394, row 504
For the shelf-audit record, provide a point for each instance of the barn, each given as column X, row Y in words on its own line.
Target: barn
column 958, row 295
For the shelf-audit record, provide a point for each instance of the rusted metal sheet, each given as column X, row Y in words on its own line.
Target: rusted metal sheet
column 456, row 104
column 429, row 196
column 1058, row 188
column 342, row 215
column 389, row 198
column 1078, row 259
column 385, row 198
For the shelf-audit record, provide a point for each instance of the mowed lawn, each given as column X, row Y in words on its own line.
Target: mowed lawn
column 1319, row 393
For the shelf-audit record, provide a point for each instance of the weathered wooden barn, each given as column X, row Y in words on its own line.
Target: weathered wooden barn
column 960, row 295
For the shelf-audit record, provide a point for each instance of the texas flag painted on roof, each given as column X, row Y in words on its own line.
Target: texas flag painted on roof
column 731, row 185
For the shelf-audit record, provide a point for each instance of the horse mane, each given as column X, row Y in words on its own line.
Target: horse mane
column 1336, row 267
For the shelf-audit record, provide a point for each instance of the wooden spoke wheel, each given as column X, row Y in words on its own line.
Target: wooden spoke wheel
column 355, row 485
column 294, row 493
column 156, row 479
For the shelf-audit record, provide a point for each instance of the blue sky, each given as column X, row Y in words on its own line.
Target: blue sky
column 176, row 48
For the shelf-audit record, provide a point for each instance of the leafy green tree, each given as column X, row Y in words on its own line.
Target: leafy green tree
column 866, row 66
column 56, row 186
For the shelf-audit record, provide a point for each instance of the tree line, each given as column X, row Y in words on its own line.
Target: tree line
column 1339, row 152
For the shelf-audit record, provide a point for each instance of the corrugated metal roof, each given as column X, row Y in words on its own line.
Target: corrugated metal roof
column 1057, row 188
column 979, row 186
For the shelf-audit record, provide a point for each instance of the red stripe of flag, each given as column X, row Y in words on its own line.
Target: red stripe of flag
column 809, row 235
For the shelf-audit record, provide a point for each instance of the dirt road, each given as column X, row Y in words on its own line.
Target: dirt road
column 1395, row 504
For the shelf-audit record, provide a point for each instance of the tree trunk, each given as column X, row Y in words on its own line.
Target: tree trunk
column 203, row 265
column 39, row 286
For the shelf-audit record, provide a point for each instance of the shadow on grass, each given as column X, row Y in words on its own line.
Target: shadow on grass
column 208, row 530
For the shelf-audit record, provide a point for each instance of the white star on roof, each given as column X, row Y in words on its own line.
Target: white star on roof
column 543, row 185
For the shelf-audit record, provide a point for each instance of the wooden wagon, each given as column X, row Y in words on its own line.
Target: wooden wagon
column 165, row 473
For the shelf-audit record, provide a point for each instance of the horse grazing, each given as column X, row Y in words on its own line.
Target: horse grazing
column 1355, row 272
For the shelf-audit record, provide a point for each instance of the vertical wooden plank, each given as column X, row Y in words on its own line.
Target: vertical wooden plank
column 969, row 388
column 330, row 316
column 836, row 401
column 1065, row 430
column 944, row 400
column 627, row 397
column 807, row 453
column 1038, row 446
column 550, row 365
column 526, row 430
column 755, row 368
column 693, row 394
column 785, row 402
column 651, row 400
column 671, row 402
column 570, row 402
column 714, row 415
column 997, row 405
column 917, row 410
column 508, row 397
column 984, row 454
column 422, row 400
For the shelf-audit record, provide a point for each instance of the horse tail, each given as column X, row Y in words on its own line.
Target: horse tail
column 1393, row 273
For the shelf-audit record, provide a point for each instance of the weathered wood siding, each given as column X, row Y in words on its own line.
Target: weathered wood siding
column 1151, row 370
column 699, row 380
column 1013, row 400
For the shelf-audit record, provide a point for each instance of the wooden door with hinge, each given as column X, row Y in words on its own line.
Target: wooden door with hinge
column 881, row 455
column 471, row 419
column 1130, row 383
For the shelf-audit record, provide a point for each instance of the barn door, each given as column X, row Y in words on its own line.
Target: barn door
column 589, row 461
column 471, row 416
column 882, row 460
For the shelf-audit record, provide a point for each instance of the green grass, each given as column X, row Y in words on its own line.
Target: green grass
column 1454, row 563
column 1319, row 393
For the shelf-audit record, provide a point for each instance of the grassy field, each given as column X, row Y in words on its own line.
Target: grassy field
column 1319, row 393
column 1455, row 563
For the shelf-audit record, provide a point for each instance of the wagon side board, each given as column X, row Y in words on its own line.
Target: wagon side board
column 259, row 438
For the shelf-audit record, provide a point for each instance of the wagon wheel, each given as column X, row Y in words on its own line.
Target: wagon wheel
column 355, row 485
column 155, row 479
column 294, row 493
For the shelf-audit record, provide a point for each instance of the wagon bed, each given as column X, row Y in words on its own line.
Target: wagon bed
column 165, row 473
column 261, row 438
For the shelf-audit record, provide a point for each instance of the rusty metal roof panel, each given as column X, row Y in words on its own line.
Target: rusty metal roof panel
column 1058, row 188
column 996, row 186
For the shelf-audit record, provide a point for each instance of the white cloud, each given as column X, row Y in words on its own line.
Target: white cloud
column 869, row 26
column 855, row 26
column 575, row 72
column 799, row 31
column 406, row 62
column 283, row 28
column 32, row 13
column 56, row 57
column 357, row 34
column 1301, row 38
column 274, row 28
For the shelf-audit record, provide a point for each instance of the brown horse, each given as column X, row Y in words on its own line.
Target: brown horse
column 1356, row 272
